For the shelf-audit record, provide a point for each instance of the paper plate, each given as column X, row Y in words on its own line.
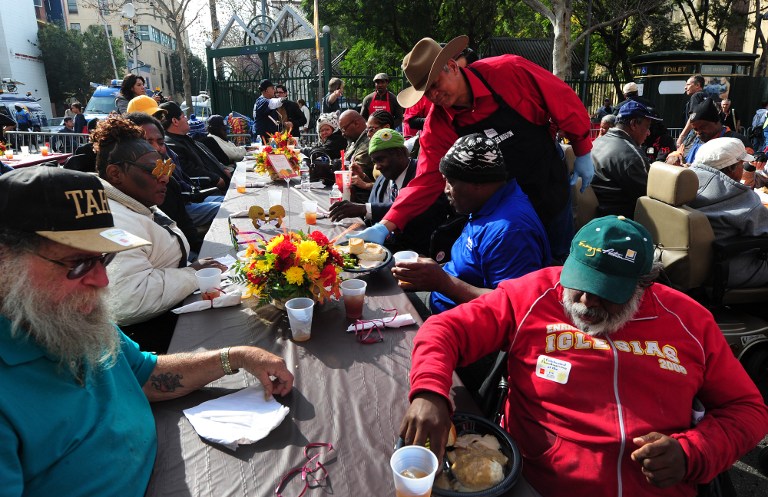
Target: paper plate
column 368, row 266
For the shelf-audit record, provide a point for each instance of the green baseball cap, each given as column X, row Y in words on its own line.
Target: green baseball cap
column 385, row 138
column 608, row 257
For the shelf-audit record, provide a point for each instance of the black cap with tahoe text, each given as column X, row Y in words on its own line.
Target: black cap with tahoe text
column 68, row 207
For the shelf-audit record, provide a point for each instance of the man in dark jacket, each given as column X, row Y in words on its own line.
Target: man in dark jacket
column 195, row 159
column 389, row 155
column 621, row 168
column 294, row 118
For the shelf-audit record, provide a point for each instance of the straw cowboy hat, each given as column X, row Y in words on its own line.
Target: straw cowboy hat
column 422, row 65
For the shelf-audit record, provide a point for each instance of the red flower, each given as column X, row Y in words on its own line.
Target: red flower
column 328, row 275
column 284, row 249
column 337, row 258
column 254, row 279
column 319, row 238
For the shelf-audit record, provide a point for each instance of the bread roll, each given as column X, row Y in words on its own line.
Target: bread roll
column 356, row 246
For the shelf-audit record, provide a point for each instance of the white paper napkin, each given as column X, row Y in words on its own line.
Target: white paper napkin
column 399, row 321
column 315, row 185
column 223, row 300
column 242, row 417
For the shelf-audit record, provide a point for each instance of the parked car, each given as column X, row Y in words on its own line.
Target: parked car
column 102, row 101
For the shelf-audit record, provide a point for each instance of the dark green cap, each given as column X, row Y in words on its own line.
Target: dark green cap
column 608, row 257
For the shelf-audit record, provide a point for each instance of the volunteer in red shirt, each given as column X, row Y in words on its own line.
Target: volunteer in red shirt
column 509, row 99
column 603, row 367
column 381, row 99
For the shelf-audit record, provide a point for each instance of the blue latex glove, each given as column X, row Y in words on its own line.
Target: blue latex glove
column 584, row 169
column 376, row 234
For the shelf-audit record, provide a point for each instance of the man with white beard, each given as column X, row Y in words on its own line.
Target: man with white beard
column 603, row 367
column 74, row 413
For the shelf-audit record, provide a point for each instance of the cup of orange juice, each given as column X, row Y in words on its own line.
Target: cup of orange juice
column 310, row 211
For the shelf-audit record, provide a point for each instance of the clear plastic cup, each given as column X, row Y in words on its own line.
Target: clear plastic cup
column 405, row 256
column 209, row 281
column 24, row 150
column 310, row 211
column 410, row 461
column 240, row 183
column 353, row 292
column 300, row 312
column 275, row 197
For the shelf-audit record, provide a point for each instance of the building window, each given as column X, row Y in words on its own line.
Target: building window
column 109, row 29
column 38, row 3
column 72, row 6
column 160, row 58
column 75, row 26
column 143, row 32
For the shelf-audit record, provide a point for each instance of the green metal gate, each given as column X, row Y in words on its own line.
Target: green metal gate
column 238, row 89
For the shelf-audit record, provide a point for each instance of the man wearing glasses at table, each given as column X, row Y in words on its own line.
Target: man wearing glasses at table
column 74, row 415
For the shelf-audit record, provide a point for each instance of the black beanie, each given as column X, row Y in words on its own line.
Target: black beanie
column 474, row 159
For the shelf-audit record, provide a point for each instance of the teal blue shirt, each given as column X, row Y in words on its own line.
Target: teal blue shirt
column 58, row 437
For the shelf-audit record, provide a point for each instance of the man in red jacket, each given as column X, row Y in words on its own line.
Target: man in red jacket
column 509, row 99
column 604, row 367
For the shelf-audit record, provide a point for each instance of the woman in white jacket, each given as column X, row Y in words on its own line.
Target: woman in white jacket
column 218, row 143
column 148, row 282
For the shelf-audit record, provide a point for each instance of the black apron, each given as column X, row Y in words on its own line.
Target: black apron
column 530, row 154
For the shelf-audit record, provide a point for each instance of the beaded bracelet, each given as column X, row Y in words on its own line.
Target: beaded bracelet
column 224, row 356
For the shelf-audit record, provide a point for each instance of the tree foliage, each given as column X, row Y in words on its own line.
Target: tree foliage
column 198, row 72
column 73, row 59
column 391, row 28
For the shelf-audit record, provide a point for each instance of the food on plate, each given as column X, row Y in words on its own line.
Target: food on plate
column 356, row 246
column 477, row 463
column 360, row 255
column 371, row 252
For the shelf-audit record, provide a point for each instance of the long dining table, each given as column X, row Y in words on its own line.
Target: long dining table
column 346, row 393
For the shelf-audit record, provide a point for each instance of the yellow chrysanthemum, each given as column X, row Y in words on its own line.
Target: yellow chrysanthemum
column 263, row 265
column 276, row 240
column 294, row 275
column 308, row 251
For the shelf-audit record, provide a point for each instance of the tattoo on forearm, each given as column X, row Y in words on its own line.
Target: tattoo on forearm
column 166, row 382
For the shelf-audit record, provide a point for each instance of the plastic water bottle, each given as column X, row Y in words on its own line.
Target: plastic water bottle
column 304, row 170
column 335, row 194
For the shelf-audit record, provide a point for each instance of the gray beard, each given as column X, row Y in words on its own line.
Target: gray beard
column 609, row 323
column 81, row 341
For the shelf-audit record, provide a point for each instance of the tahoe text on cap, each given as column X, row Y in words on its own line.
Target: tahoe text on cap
column 87, row 204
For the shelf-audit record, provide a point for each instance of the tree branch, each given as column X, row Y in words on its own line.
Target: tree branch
column 609, row 22
column 542, row 9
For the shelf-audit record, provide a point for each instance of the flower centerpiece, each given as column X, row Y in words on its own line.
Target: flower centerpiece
column 291, row 265
column 278, row 144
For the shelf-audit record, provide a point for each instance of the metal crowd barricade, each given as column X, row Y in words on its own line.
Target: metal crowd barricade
column 65, row 143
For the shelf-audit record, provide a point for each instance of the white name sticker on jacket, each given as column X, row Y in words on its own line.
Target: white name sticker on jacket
column 553, row 369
